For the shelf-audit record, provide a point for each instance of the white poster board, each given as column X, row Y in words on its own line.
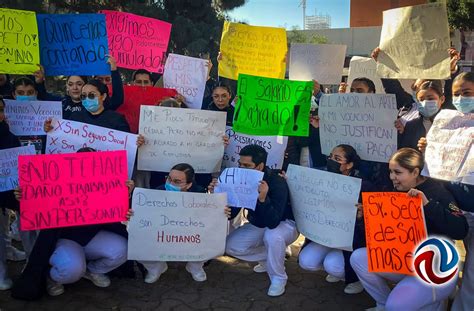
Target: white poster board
column 241, row 186
column 188, row 76
column 176, row 226
column 364, row 67
column 364, row 121
column 9, row 166
column 177, row 135
column 324, row 205
column 27, row 117
column 70, row 136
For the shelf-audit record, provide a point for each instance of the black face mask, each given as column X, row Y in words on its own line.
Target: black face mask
column 333, row 166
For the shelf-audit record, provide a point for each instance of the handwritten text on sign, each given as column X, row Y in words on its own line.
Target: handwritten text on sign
column 364, row 121
column 274, row 145
column 27, row 117
column 252, row 50
column 70, row 136
column 64, row 190
column 137, row 42
column 20, row 42
column 324, row 205
column 188, row 76
column 73, row 44
column 364, row 67
column 241, row 186
column 177, row 135
column 321, row 62
column 9, row 166
column 176, row 226
column 449, row 140
column 394, row 225
column 272, row 106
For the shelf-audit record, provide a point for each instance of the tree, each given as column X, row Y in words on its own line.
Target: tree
column 460, row 13
column 297, row 36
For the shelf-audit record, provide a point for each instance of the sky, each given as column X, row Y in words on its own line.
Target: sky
column 288, row 13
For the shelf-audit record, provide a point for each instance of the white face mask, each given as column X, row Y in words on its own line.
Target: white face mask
column 428, row 108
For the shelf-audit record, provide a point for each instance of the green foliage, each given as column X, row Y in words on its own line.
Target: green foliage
column 460, row 13
column 298, row 36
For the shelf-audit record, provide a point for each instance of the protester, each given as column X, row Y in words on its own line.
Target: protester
column 221, row 96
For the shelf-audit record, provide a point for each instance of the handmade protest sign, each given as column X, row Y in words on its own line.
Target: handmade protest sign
column 73, row 44
column 274, row 145
column 364, row 121
column 27, row 117
column 241, row 186
column 9, row 166
column 272, row 107
column 324, row 205
column 64, row 190
column 70, row 136
column 135, row 96
column 188, row 76
column 253, row 50
column 321, row 62
column 394, row 226
column 20, row 42
column 418, row 51
column 364, row 67
column 177, row 135
column 176, row 226
column 449, row 142
column 137, row 42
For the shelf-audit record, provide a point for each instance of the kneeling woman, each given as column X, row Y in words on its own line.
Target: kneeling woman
column 180, row 178
column 442, row 218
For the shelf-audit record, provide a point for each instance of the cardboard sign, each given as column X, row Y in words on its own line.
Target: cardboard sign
column 414, row 43
column 324, row 205
column 65, row 190
column 271, row 107
column 135, row 96
column 321, row 62
column 449, row 154
column 364, row 121
column 9, row 166
column 70, row 136
column 73, row 44
column 258, row 51
column 20, row 42
column 188, row 76
column 176, row 226
column 274, row 145
column 364, row 67
column 177, row 135
column 27, row 117
column 394, row 226
column 241, row 186
column 137, row 42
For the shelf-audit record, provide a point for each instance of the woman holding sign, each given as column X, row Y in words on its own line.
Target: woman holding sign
column 442, row 217
column 221, row 96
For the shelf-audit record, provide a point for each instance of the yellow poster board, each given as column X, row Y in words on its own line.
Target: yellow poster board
column 19, row 43
column 253, row 50
column 414, row 43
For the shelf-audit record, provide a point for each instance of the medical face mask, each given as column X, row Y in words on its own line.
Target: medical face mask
column 92, row 105
column 428, row 108
column 26, row 97
column 170, row 187
column 464, row 104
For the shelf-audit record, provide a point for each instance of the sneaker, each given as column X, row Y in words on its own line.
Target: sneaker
column 53, row 288
column 99, row 279
column 288, row 252
column 332, row 279
column 276, row 289
column 199, row 276
column 260, row 268
column 354, row 288
column 6, row 284
column 14, row 254
column 152, row 277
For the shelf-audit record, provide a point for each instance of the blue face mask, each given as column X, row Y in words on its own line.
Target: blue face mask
column 428, row 108
column 26, row 97
column 170, row 187
column 92, row 105
column 464, row 104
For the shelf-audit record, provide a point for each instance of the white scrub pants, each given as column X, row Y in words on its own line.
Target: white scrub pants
column 315, row 257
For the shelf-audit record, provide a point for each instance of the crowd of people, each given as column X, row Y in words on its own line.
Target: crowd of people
column 56, row 257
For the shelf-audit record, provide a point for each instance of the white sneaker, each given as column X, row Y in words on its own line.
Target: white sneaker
column 199, row 276
column 332, row 279
column 276, row 289
column 6, row 284
column 152, row 277
column 99, row 279
column 14, row 254
column 261, row 267
column 53, row 288
column 354, row 288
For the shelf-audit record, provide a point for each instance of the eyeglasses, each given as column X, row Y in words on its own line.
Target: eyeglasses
column 175, row 181
column 90, row 96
